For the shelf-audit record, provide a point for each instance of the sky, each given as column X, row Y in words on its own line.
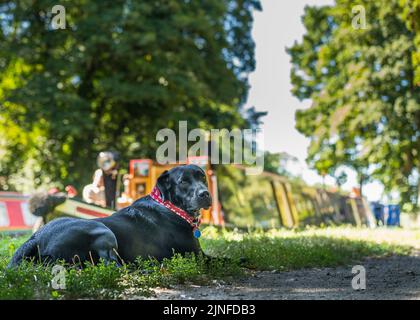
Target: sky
column 278, row 26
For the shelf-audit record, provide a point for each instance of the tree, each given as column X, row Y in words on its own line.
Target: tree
column 272, row 162
column 119, row 72
column 283, row 164
column 340, row 177
column 411, row 13
column 365, row 110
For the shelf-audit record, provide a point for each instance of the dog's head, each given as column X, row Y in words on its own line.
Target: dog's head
column 186, row 187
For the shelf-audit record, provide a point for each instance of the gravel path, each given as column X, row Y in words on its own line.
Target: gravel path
column 395, row 277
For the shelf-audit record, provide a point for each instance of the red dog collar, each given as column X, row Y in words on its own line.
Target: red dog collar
column 194, row 223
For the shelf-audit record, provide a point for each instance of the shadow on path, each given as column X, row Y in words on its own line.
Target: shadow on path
column 395, row 277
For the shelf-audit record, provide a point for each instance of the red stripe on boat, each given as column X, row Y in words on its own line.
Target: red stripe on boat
column 91, row 212
column 15, row 214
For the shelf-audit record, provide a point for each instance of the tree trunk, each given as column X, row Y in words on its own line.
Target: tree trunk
column 361, row 182
column 418, row 195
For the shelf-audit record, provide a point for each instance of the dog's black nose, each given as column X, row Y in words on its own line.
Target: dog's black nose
column 204, row 194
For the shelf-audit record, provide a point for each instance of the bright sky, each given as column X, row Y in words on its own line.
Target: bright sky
column 275, row 28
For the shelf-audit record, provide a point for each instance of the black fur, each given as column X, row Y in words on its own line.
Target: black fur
column 144, row 229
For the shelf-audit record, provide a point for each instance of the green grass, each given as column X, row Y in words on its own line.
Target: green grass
column 272, row 250
column 311, row 247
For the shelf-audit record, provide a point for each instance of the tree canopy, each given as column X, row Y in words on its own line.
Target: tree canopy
column 365, row 111
column 119, row 72
column 411, row 13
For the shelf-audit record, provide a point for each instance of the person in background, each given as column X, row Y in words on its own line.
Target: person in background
column 104, row 188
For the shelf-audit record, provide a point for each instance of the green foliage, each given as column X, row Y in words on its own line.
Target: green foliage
column 278, row 163
column 249, row 199
column 286, row 251
column 272, row 162
column 119, row 72
column 366, row 108
column 411, row 13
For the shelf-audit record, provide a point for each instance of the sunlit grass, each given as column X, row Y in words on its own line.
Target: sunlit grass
column 310, row 247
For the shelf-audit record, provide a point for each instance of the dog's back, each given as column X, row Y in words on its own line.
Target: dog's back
column 70, row 240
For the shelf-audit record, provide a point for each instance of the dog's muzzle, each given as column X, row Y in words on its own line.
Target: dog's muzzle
column 204, row 199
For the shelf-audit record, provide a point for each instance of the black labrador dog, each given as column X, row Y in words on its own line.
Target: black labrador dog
column 156, row 225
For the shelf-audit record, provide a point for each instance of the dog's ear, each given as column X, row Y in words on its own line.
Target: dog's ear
column 163, row 185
